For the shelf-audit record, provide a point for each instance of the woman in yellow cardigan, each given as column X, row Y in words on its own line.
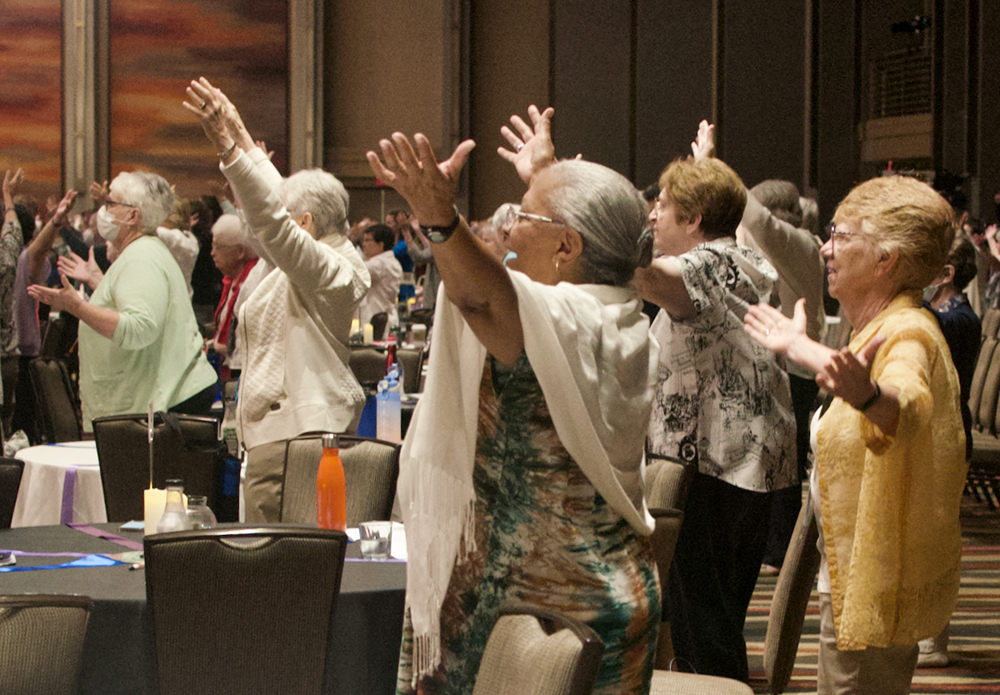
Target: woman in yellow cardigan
column 890, row 450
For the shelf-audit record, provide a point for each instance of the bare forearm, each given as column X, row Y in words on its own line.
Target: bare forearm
column 101, row 319
column 661, row 283
column 476, row 282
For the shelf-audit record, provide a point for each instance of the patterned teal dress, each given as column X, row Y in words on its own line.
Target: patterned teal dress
column 544, row 537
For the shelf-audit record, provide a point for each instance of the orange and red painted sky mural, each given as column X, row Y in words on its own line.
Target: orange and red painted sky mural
column 157, row 46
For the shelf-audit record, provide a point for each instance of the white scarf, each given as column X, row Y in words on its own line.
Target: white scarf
column 590, row 349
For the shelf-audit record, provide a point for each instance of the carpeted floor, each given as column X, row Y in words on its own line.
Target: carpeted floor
column 975, row 625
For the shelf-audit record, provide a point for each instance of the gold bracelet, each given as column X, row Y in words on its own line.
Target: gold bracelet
column 223, row 155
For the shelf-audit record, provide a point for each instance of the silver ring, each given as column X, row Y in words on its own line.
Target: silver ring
column 203, row 105
column 520, row 146
column 767, row 331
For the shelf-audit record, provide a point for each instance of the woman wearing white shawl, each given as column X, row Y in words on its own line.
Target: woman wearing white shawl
column 521, row 476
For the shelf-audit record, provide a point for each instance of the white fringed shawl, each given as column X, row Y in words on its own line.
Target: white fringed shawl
column 596, row 364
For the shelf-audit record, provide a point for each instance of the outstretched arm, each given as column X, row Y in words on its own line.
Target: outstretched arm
column 474, row 280
column 42, row 243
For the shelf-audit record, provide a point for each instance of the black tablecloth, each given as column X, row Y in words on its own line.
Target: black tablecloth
column 119, row 653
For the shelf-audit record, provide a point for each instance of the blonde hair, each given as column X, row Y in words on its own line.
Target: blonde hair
column 709, row 188
column 905, row 216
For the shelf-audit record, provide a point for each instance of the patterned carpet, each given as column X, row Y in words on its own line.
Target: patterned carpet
column 975, row 625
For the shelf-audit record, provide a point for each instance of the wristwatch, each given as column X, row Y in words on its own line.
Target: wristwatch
column 438, row 235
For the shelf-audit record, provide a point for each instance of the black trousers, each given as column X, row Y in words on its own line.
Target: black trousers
column 713, row 575
column 787, row 503
column 198, row 404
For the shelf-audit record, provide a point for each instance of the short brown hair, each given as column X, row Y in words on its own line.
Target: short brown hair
column 708, row 188
column 906, row 216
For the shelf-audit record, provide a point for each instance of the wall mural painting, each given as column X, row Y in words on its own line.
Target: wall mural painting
column 158, row 46
column 30, row 93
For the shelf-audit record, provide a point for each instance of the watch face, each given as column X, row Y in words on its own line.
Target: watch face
column 437, row 237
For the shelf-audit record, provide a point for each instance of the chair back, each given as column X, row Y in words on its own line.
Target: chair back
column 379, row 322
column 60, row 334
column 531, row 650
column 371, row 467
column 978, row 385
column 184, row 446
column 243, row 609
column 41, row 643
column 11, row 471
column 58, row 418
column 991, row 323
column 791, row 599
column 412, row 362
column 985, row 414
column 368, row 365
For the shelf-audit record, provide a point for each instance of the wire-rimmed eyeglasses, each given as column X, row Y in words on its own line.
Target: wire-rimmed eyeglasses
column 514, row 215
column 832, row 233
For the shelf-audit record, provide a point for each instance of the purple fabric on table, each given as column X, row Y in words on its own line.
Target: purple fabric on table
column 69, row 488
column 107, row 536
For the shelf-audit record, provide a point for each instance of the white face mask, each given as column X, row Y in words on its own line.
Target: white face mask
column 107, row 225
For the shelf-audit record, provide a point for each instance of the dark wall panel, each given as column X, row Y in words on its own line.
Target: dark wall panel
column 591, row 77
column 989, row 109
column 837, row 143
column 673, row 81
column 762, row 114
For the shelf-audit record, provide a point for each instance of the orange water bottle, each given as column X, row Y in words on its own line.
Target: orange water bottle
column 331, row 493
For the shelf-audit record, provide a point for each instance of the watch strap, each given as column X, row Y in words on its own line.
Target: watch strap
column 440, row 234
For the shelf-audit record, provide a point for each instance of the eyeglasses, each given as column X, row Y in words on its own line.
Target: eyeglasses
column 832, row 233
column 109, row 202
column 514, row 215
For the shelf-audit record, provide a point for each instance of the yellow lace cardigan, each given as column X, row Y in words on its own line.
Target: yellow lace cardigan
column 889, row 505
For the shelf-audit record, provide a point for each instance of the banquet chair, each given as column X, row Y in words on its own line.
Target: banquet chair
column 11, row 471
column 531, row 650
column 184, row 446
column 371, row 467
column 59, row 420
column 368, row 365
column 243, row 609
column 412, row 362
column 41, row 643
column 791, row 600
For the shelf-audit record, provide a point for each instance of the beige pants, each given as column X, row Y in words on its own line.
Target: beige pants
column 264, row 481
column 874, row 671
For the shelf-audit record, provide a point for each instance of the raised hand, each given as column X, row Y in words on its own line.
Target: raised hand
column 426, row 184
column 704, row 145
column 64, row 298
column 533, row 148
column 63, row 207
column 772, row 329
column 218, row 117
column 263, row 146
column 86, row 271
column 848, row 376
column 99, row 192
column 10, row 184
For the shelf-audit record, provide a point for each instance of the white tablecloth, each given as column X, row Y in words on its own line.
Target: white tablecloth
column 61, row 484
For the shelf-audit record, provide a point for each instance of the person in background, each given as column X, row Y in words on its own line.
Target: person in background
column 890, row 450
column 773, row 223
column 139, row 341
column 386, row 273
column 419, row 249
column 235, row 259
column 33, row 267
column 397, row 220
column 541, row 378
column 176, row 234
column 296, row 323
column 18, row 225
column 722, row 405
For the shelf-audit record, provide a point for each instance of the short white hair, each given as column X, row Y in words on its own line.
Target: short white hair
column 320, row 194
column 147, row 191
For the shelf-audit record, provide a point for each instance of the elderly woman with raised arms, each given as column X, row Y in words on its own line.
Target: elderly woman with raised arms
column 521, row 475
column 139, row 340
column 295, row 325
column 890, row 450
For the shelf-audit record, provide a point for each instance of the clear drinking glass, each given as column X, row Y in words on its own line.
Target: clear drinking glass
column 199, row 514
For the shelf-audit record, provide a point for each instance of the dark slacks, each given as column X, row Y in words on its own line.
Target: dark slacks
column 713, row 575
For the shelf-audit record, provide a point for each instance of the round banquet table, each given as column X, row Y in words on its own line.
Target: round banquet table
column 61, row 485
column 119, row 650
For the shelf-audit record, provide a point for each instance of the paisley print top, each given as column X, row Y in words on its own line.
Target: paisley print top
column 544, row 537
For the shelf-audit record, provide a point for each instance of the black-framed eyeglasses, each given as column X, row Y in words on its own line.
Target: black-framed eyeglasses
column 832, row 233
column 108, row 202
column 514, row 215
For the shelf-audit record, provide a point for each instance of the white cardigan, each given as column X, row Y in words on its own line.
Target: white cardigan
column 296, row 323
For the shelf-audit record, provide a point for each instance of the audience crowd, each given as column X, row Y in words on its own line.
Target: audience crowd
column 577, row 333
